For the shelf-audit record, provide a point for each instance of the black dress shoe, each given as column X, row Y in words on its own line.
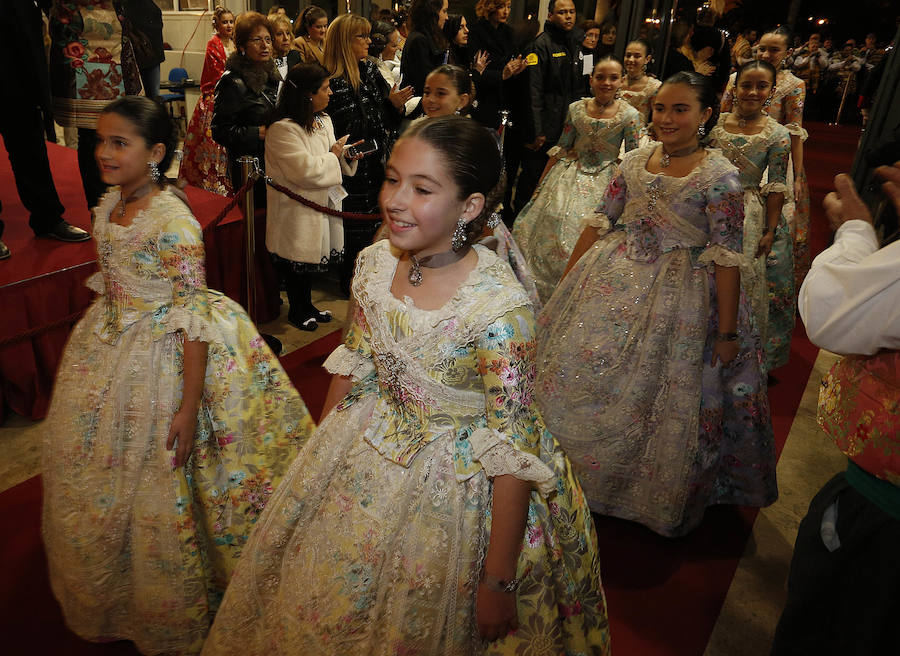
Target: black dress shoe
column 64, row 231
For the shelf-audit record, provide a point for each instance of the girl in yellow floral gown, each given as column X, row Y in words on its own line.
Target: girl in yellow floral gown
column 431, row 512
column 171, row 423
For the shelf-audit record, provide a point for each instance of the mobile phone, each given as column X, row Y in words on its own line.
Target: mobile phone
column 366, row 147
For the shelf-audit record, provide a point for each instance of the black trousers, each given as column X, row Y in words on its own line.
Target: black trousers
column 22, row 128
column 533, row 163
column 844, row 602
column 93, row 184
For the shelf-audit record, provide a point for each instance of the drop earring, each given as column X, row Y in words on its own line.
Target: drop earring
column 701, row 131
column 154, row 170
column 458, row 239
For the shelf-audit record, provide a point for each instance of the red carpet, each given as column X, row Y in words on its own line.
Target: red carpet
column 664, row 595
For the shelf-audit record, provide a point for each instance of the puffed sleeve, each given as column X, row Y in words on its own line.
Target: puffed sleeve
column 725, row 214
column 353, row 358
column 728, row 97
column 793, row 110
column 634, row 126
column 566, row 139
column 612, row 203
column 778, row 157
column 510, row 443
column 182, row 257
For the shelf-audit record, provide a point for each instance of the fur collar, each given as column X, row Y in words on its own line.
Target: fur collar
column 255, row 74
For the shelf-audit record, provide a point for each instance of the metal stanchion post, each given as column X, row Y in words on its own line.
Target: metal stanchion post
column 250, row 170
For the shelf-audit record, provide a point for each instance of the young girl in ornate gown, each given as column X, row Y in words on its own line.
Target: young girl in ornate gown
column 580, row 166
column 649, row 370
column 757, row 144
column 786, row 107
column 141, row 541
column 431, row 513
column 205, row 162
column 639, row 88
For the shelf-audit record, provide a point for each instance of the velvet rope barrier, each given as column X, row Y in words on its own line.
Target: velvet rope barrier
column 33, row 332
column 320, row 208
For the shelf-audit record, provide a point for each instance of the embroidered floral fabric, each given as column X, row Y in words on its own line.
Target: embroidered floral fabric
column 548, row 227
column 139, row 549
column 640, row 100
column 654, row 432
column 771, row 292
column 374, row 543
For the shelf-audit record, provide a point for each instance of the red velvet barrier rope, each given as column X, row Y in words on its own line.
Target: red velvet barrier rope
column 321, row 208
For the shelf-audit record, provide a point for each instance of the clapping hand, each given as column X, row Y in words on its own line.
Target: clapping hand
column 398, row 96
column 482, row 59
column 513, row 67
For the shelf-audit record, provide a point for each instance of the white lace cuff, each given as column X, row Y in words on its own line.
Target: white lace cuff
column 773, row 188
column 556, row 151
column 797, row 131
column 95, row 282
column 195, row 327
column 596, row 220
column 344, row 362
column 499, row 457
column 718, row 254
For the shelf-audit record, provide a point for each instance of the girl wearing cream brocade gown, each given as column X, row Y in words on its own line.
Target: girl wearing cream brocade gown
column 585, row 157
column 378, row 541
column 139, row 547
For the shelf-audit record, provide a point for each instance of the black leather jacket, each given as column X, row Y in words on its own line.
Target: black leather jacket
column 245, row 98
column 364, row 114
column 554, row 78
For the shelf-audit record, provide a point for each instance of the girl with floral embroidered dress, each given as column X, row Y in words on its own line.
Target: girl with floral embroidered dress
column 756, row 144
column 141, row 541
column 639, row 88
column 431, row 513
column 205, row 162
column 648, row 363
column 786, row 107
column 580, row 166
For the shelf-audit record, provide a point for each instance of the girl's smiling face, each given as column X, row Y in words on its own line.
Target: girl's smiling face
column 606, row 80
column 752, row 89
column 440, row 97
column 677, row 114
column 122, row 153
column 420, row 199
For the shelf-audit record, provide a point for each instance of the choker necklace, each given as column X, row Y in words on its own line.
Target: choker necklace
column 684, row 152
column 435, row 261
column 604, row 105
column 137, row 194
column 744, row 120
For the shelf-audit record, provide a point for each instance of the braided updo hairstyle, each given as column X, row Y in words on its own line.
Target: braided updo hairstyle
column 472, row 158
column 152, row 121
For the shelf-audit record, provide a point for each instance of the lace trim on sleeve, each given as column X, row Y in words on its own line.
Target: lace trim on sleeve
column 556, row 151
column 718, row 254
column 797, row 130
column 344, row 362
column 597, row 220
column 499, row 457
column 95, row 282
column 195, row 327
column 774, row 188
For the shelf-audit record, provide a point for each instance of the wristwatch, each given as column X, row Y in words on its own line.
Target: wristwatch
column 497, row 584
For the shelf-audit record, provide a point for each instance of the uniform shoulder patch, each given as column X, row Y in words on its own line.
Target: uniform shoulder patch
column 531, row 59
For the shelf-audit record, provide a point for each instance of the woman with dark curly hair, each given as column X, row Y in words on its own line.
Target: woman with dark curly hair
column 426, row 47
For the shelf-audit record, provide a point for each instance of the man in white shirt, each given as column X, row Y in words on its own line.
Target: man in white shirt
column 844, row 586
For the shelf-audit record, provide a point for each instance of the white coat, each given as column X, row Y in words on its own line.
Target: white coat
column 302, row 161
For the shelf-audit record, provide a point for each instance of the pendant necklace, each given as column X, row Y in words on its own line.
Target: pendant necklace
column 137, row 194
column 684, row 152
column 600, row 107
column 435, row 261
column 744, row 120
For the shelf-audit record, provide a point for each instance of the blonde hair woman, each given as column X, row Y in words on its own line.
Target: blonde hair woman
column 363, row 106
